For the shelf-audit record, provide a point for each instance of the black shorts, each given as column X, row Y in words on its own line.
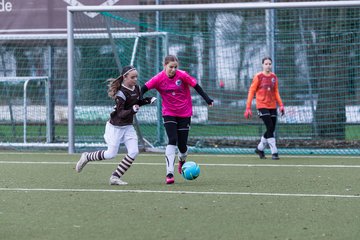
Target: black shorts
column 267, row 112
column 182, row 123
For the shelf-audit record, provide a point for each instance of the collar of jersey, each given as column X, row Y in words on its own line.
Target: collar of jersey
column 128, row 88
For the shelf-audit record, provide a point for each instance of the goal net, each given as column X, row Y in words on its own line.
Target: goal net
column 25, row 111
column 314, row 45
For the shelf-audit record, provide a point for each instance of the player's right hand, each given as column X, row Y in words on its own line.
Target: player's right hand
column 248, row 113
column 136, row 108
column 282, row 110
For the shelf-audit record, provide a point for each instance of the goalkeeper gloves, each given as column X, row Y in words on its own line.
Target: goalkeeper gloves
column 282, row 110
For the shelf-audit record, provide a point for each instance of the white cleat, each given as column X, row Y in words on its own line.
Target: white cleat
column 114, row 180
column 82, row 162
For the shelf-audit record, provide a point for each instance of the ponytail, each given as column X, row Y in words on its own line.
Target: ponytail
column 114, row 85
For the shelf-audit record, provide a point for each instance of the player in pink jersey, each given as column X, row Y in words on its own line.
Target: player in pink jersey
column 174, row 87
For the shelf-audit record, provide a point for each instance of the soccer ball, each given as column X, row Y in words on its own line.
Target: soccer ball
column 190, row 170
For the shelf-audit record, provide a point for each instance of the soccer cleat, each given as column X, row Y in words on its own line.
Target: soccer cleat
column 275, row 156
column 82, row 162
column 170, row 178
column 114, row 180
column 260, row 153
column 181, row 163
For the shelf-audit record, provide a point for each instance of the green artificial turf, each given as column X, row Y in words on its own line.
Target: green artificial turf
column 235, row 197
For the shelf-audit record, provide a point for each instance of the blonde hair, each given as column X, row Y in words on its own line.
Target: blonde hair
column 114, row 84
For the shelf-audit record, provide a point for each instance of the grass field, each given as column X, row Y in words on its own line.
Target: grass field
column 235, row 197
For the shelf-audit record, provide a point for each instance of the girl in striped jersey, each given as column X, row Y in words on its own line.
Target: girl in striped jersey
column 265, row 86
column 174, row 87
column 119, row 129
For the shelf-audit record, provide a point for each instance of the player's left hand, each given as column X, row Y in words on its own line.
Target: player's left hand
column 147, row 100
column 282, row 110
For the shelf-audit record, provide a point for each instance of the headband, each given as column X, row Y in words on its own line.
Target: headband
column 131, row 69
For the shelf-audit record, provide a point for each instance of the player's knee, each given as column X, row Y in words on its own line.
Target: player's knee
column 270, row 134
column 133, row 153
column 110, row 154
column 182, row 148
column 272, row 130
column 172, row 140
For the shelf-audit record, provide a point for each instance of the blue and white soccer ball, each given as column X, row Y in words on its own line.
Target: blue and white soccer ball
column 190, row 170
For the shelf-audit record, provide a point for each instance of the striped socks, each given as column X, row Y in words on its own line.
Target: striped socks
column 124, row 165
column 96, row 156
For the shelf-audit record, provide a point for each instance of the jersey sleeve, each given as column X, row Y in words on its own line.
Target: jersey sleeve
column 252, row 90
column 277, row 94
column 152, row 83
column 189, row 79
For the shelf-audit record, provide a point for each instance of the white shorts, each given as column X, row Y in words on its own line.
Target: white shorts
column 115, row 135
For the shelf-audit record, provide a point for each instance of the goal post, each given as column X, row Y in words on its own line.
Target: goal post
column 34, row 93
column 314, row 47
column 114, row 39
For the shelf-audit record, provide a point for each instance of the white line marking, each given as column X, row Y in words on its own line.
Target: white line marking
column 197, row 155
column 204, row 164
column 178, row 192
column 284, row 165
column 201, row 164
column 73, row 163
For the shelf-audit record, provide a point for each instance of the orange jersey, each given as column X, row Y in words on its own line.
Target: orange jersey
column 266, row 89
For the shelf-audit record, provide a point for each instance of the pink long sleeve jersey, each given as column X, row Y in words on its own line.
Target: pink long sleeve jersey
column 175, row 93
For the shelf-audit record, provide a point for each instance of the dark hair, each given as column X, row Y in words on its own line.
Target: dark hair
column 114, row 84
column 266, row 58
column 170, row 58
column 126, row 70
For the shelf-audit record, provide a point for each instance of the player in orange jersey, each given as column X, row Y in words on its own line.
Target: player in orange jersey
column 265, row 86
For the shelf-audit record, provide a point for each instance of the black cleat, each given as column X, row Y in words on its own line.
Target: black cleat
column 275, row 156
column 260, row 153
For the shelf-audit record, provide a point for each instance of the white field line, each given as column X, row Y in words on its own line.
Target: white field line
column 202, row 164
column 186, row 192
column 178, row 192
column 73, row 163
column 196, row 155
